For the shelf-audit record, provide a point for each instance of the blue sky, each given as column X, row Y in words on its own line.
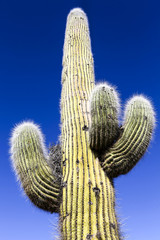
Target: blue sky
column 126, row 47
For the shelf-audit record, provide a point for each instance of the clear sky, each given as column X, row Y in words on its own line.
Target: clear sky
column 126, row 47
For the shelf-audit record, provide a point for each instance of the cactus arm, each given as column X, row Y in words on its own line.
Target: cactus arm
column 138, row 125
column 104, row 109
column 29, row 158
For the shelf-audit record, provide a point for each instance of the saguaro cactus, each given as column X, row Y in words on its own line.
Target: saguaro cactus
column 76, row 179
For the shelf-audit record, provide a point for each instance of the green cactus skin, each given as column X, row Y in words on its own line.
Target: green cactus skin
column 104, row 109
column 136, row 134
column 93, row 149
column 29, row 158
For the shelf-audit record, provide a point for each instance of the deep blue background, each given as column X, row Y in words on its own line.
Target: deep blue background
column 126, row 47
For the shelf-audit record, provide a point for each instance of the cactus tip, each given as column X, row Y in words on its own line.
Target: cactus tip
column 108, row 87
column 142, row 100
column 21, row 127
column 77, row 10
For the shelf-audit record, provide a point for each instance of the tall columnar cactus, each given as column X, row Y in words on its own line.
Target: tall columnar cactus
column 76, row 178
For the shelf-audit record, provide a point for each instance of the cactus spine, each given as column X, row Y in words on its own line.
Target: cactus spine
column 93, row 148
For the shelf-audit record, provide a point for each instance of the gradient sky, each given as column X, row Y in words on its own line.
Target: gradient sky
column 126, row 47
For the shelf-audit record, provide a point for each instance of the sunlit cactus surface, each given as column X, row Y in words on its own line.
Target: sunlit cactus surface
column 76, row 178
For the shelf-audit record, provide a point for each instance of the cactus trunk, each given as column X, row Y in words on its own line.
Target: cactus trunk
column 87, row 208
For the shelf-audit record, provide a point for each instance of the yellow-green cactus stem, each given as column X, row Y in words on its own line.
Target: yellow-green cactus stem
column 104, row 108
column 29, row 158
column 87, row 209
column 139, row 121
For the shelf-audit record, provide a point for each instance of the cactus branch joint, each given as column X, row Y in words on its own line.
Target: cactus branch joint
column 76, row 178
